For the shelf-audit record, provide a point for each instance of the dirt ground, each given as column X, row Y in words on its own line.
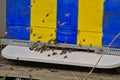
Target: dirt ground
column 44, row 71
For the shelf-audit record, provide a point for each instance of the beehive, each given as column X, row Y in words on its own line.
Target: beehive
column 84, row 22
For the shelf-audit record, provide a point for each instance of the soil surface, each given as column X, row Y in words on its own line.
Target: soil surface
column 45, row 71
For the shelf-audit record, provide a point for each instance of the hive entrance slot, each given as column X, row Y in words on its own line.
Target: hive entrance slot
column 73, row 49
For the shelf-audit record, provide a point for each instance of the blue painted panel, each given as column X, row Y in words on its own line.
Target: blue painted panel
column 67, row 14
column 18, row 12
column 112, row 6
column 17, row 32
column 111, row 23
column 66, row 36
column 108, row 37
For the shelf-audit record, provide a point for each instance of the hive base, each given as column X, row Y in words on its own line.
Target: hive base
column 74, row 58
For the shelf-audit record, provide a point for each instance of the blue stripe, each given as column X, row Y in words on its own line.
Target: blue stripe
column 67, row 21
column 66, row 36
column 107, row 39
column 18, row 19
column 18, row 12
column 18, row 32
column 111, row 23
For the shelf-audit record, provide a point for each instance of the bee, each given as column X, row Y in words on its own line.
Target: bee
column 43, row 21
column 90, row 45
column 47, row 48
column 67, row 14
column 83, row 40
column 64, row 23
column 41, row 51
column 34, row 1
column 34, row 35
column 54, row 53
column 49, row 42
column 47, row 15
column 61, row 53
column 37, row 49
column 31, row 48
column 39, row 37
column 65, row 57
column 34, row 45
column 51, row 35
column 55, row 42
column 80, row 45
column 100, row 51
column 49, row 55
column 29, row 30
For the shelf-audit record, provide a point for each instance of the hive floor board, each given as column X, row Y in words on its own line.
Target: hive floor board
column 44, row 71
column 74, row 58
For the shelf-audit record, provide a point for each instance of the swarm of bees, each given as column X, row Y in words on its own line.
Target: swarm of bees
column 36, row 47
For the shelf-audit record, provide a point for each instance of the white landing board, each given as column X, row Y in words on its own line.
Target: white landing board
column 75, row 58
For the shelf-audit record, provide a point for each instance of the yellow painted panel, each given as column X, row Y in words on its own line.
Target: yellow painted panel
column 90, row 15
column 43, row 13
column 90, row 22
column 90, row 39
column 42, row 34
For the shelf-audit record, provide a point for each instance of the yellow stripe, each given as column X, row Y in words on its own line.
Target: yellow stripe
column 43, row 34
column 90, row 22
column 43, row 15
column 89, row 38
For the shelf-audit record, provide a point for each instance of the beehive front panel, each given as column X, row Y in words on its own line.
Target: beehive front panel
column 43, row 34
column 67, row 18
column 17, row 32
column 89, row 38
column 90, row 22
column 43, row 13
column 18, row 19
column 18, row 12
column 111, row 23
column 67, row 14
column 43, row 19
column 68, row 21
